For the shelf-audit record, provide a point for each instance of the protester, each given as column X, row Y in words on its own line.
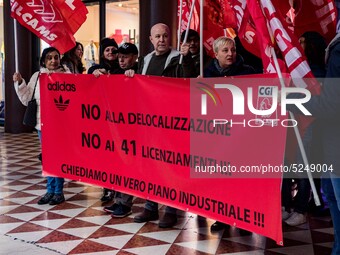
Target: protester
column 108, row 56
column 326, row 108
column 314, row 46
column 294, row 210
column 109, row 64
column 163, row 61
column 72, row 59
column 193, row 39
column 226, row 63
column 127, row 56
column 49, row 63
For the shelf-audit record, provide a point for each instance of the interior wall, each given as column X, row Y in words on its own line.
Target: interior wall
column 115, row 19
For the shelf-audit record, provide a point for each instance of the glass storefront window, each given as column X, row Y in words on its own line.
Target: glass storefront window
column 122, row 21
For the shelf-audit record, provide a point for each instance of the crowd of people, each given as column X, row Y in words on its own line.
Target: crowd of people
column 321, row 140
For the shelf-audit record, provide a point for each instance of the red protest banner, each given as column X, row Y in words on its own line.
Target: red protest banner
column 146, row 136
column 55, row 21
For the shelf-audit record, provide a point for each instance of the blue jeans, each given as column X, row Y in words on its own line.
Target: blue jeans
column 331, row 188
column 55, row 185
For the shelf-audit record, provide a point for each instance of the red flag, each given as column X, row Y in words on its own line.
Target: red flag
column 264, row 41
column 53, row 21
column 245, row 27
column 219, row 17
column 310, row 15
column 319, row 16
column 295, row 61
column 185, row 15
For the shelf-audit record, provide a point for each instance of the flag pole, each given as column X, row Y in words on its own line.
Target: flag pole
column 296, row 131
column 179, row 24
column 188, row 27
column 16, row 59
column 201, row 38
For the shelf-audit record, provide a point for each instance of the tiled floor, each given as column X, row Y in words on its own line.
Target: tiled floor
column 80, row 226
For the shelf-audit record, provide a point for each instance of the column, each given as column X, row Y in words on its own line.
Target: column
column 14, row 110
column 152, row 12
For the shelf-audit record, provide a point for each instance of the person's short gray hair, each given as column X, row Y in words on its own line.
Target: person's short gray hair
column 222, row 40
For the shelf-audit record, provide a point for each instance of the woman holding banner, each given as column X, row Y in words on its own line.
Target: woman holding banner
column 49, row 63
column 109, row 64
column 108, row 58
column 226, row 63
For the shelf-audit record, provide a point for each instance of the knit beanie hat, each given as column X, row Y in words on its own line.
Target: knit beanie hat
column 106, row 42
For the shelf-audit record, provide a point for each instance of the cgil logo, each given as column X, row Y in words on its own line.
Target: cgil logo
column 62, row 86
column 266, row 91
column 239, row 101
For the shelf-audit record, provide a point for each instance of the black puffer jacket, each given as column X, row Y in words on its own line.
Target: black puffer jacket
column 238, row 68
column 326, row 109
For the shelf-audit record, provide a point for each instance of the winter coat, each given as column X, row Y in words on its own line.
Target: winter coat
column 25, row 91
column 326, row 108
column 172, row 67
column 238, row 68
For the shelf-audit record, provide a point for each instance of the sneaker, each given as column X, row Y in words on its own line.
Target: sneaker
column 45, row 199
column 146, row 215
column 57, row 199
column 111, row 208
column 107, row 195
column 121, row 211
column 169, row 220
column 296, row 219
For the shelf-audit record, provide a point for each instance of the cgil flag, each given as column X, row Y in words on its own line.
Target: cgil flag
column 54, row 21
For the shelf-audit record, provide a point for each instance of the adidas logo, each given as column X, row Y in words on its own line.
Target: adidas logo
column 61, row 104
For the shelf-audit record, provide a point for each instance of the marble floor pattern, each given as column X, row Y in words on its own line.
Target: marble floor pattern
column 80, row 226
